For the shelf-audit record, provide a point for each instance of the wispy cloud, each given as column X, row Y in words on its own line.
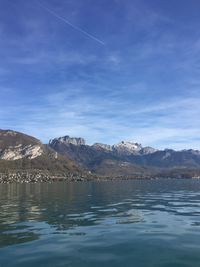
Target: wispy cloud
column 142, row 85
column 109, row 120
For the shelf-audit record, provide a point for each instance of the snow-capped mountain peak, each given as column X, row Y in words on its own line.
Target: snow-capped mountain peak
column 127, row 147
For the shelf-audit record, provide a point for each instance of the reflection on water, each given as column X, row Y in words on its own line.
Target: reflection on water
column 109, row 223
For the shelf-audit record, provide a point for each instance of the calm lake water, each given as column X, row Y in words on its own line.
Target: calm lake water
column 121, row 223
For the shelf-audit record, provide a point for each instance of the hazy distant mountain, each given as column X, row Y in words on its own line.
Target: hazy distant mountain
column 169, row 158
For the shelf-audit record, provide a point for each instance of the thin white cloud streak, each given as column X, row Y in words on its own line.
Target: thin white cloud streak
column 70, row 24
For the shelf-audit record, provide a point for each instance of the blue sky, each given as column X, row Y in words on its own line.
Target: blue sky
column 105, row 70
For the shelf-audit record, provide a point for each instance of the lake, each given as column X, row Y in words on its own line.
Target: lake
column 141, row 223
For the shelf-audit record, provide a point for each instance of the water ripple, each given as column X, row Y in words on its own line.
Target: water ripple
column 59, row 221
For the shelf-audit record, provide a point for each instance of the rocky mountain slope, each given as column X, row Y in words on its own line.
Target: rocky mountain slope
column 125, row 148
column 15, row 145
column 19, row 151
column 66, row 155
column 128, row 152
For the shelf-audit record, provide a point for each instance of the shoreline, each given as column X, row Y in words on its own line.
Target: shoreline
column 37, row 177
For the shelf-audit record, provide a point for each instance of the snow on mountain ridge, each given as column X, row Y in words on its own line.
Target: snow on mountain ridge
column 127, row 147
column 128, row 144
column 102, row 146
column 123, row 147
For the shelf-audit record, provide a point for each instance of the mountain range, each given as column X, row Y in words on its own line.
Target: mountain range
column 67, row 155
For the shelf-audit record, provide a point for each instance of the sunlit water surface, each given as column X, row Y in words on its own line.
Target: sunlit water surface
column 121, row 223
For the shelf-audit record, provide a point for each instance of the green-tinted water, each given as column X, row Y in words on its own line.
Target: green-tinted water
column 127, row 223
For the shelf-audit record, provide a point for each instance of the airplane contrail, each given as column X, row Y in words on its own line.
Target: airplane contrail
column 70, row 24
